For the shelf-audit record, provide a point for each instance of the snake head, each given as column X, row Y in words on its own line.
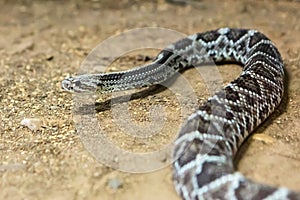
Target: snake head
column 79, row 84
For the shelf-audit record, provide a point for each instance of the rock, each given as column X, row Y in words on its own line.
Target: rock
column 115, row 183
column 33, row 124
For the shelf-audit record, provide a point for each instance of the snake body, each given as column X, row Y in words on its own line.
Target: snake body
column 207, row 143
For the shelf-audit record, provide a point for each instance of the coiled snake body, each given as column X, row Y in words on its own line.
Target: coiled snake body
column 209, row 140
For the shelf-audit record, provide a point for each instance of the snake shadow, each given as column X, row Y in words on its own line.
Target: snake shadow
column 144, row 93
column 87, row 109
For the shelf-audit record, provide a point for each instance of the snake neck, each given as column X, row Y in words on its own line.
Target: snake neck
column 165, row 65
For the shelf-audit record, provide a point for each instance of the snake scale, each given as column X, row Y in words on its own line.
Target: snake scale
column 208, row 141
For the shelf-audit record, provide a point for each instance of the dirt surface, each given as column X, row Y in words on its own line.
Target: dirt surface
column 43, row 42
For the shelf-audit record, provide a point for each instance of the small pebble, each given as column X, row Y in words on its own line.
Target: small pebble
column 33, row 124
column 263, row 138
column 115, row 183
column 53, row 107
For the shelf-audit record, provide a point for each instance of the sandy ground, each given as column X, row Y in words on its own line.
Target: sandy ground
column 43, row 42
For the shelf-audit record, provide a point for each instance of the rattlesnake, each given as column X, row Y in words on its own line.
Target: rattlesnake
column 209, row 140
